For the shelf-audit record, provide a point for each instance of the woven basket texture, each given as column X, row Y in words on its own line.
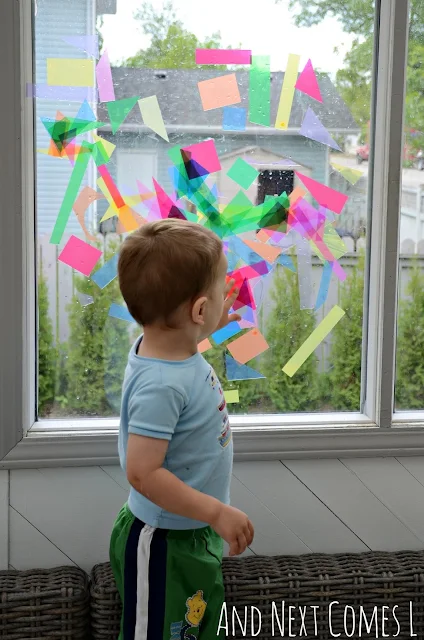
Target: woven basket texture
column 45, row 603
column 367, row 586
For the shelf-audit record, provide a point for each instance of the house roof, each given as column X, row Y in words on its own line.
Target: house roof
column 179, row 99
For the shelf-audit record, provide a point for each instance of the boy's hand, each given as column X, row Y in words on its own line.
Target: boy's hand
column 229, row 301
column 234, row 527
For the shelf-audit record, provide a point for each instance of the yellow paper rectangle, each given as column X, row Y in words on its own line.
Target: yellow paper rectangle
column 287, row 92
column 311, row 343
column 70, row 72
column 231, row 396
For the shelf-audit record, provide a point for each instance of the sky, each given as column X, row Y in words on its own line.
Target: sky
column 268, row 31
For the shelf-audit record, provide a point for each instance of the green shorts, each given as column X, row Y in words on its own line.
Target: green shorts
column 170, row 582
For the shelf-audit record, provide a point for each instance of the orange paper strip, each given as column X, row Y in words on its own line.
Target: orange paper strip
column 248, row 346
column 204, row 345
column 266, row 251
column 81, row 204
column 219, row 92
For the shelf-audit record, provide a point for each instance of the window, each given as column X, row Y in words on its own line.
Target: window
column 409, row 394
column 280, row 128
column 83, row 332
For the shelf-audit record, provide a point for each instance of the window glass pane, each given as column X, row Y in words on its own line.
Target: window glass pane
column 279, row 144
column 409, row 387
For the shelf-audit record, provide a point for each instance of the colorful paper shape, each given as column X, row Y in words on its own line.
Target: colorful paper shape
column 106, row 273
column 313, row 129
column 325, row 196
column 287, row 92
column 248, row 346
column 119, row 110
column 104, row 79
column 81, row 204
column 226, row 333
column 71, row 193
column 236, row 371
column 111, row 186
column 267, row 251
column 219, row 92
column 152, row 116
column 307, row 82
column 201, row 159
column 314, row 340
column 351, row 175
column 80, row 255
column 223, row 56
column 231, row 396
column 327, row 270
column 260, row 91
column 205, row 345
column 108, row 147
column 120, row 312
column 234, row 119
column 70, row 72
column 286, row 261
column 85, row 112
column 89, row 44
column 242, row 173
column 168, row 208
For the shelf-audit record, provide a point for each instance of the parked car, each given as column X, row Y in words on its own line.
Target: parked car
column 362, row 153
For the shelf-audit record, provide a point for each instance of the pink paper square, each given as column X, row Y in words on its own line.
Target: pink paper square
column 205, row 154
column 80, row 255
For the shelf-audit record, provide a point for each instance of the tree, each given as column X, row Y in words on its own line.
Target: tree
column 346, row 348
column 97, row 350
column 287, row 328
column 410, row 345
column 354, row 81
column 171, row 45
column 47, row 353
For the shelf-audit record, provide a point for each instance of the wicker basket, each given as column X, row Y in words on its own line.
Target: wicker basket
column 358, row 582
column 44, row 603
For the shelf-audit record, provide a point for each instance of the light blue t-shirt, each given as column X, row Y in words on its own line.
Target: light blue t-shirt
column 183, row 402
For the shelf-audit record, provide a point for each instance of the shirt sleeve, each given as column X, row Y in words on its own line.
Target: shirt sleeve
column 154, row 410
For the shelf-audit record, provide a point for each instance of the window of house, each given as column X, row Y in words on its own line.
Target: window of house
column 282, row 126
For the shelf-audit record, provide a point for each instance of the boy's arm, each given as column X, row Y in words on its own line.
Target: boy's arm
column 145, row 473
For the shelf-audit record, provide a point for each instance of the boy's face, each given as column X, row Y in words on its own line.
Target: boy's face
column 212, row 310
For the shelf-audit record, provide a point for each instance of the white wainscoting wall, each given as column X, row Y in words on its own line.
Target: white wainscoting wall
column 52, row 517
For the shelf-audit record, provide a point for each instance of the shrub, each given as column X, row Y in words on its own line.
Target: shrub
column 344, row 375
column 97, row 349
column 410, row 345
column 47, row 352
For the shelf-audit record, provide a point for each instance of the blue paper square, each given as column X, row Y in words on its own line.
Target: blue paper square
column 234, row 119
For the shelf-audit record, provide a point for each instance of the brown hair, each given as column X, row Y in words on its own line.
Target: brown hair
column 165, row 264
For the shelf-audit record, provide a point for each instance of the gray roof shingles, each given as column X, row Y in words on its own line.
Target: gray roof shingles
column 179, row 98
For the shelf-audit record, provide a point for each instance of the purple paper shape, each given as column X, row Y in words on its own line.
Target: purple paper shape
column 313, row 128
column 67, row 94
column 104, row 79
column 89, row 44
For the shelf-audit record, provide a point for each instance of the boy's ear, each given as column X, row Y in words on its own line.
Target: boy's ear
column 198, row 310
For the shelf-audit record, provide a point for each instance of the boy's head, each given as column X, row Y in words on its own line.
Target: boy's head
column 173, row 272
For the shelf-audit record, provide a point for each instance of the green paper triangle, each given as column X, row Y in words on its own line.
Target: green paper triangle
column 118, row 111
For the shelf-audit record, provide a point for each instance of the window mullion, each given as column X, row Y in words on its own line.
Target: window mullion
column 384, row 248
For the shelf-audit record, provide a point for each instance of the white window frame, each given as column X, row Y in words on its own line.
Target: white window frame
column 374, row 431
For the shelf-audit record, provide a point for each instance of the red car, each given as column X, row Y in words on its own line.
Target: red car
column 362, row 153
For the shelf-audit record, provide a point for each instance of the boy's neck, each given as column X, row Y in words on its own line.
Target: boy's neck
column 167, row 344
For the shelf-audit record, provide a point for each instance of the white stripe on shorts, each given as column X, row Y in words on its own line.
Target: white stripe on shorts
column 143, row 558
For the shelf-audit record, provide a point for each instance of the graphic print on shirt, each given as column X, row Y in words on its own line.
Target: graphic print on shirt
column 196, row 607
column 225, row 436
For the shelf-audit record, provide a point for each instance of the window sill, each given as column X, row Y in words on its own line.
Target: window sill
column 50, row 447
